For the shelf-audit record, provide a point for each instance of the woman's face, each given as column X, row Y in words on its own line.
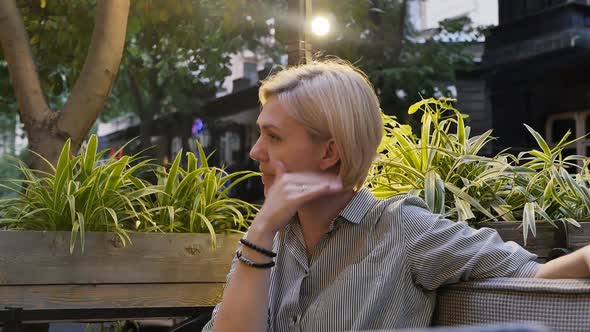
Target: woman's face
column 283, row 139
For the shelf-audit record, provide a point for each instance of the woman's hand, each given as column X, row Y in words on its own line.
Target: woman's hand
column 287, row 194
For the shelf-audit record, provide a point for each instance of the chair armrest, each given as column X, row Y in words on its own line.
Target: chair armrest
column 560, row 304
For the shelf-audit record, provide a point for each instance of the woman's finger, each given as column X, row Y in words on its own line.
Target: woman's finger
column 280, row 168
column 309, row 191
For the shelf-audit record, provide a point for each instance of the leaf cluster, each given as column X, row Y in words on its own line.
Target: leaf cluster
column 91, row 193
column 445, row 165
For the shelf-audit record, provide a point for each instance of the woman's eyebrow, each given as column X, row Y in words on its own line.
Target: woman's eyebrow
column 267, row 126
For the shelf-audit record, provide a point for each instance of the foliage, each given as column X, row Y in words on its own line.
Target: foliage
column 86, row 193
column 178, row 52
column 59, row 33
column 8, row 170
column 195, row 199
column 403, row 64
column 444, row 166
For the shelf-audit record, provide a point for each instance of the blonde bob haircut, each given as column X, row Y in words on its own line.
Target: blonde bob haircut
column 333, row 99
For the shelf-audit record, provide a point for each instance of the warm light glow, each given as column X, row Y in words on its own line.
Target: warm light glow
column 320, row 26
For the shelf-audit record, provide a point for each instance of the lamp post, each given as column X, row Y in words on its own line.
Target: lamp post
column 300, row 29
column 298, row 44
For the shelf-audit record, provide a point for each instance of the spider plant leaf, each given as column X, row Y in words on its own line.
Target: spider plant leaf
column 171, row 214
column 242, row 176
column 463, row 209
column 90, row 155
column 113, row 216
column 210, row 228
column 430, row 193
column 191, row 162
column 424, row 141
column 573, row 222
column 541, row 212
column 417, row 106
column 528, row 220
column 407, row 150
column 173, row 175
column 540, row 141
column 187, row 183
column 74, row 236
column 468, row 199
column 72, row 205
column 63, row 171
column 47, row 163
column 81, row 222
column 203, row 159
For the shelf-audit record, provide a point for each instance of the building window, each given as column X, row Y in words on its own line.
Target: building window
column 578, row 123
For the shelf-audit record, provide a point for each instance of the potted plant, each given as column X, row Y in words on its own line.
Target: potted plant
column 445, row 166
column 92, row 229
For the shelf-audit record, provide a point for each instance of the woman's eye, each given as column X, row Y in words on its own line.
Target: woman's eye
column 273, row 137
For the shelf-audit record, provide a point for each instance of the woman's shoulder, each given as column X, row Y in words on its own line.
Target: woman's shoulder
column 404, row 202
column 403, row 211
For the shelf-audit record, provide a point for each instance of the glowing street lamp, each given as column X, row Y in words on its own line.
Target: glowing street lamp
column 320, row 26
column 300, row 33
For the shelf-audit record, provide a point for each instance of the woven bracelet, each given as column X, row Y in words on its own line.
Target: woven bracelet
column 263, row 251
column 251, row 263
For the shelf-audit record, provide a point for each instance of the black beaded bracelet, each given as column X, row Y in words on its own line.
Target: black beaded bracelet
column 251, row 263
column 263, row 251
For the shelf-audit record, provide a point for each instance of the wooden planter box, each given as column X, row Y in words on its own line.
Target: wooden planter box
column 39, row 276
column 548, row 237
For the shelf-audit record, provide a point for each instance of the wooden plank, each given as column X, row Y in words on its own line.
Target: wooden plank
column 38, row 258
column 578, row 237
column 117, row 296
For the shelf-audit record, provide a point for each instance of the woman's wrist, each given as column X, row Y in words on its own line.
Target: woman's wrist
column 260, row 234
column 260, row 237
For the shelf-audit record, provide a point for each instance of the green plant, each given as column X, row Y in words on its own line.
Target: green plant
column 195, row 199
column 445, row 167
column 80, row 194
column 85, row 193
column 551, row 192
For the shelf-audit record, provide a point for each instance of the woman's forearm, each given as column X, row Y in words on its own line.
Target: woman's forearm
column 574, row 265
column 244, row 306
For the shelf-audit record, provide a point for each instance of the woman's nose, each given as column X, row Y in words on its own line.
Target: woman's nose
column 257, row 151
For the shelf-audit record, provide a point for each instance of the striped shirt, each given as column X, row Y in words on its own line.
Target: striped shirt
column 379, row 265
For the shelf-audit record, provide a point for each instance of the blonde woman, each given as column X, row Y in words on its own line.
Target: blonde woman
column 324, row 254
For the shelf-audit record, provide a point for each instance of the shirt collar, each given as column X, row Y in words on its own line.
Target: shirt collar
column 355, row 211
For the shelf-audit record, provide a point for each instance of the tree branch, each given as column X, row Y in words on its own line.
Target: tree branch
column 23, row 73
column 92, row 88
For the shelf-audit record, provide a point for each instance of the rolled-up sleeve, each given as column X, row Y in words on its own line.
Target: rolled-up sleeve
column 441, row 251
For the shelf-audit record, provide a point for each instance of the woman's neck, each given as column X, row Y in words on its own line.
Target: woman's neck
column 316, row 216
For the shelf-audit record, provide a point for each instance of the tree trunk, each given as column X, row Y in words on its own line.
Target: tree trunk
column 401, row 32
column 147, row 110
column 46, row 130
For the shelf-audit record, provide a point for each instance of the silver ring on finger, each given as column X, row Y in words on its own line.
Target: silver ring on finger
column 303, row 188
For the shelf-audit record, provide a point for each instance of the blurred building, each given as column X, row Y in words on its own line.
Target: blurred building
column 425, row 14
column 536, row 69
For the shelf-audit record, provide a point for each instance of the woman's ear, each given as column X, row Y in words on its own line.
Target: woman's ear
column 331, row 155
